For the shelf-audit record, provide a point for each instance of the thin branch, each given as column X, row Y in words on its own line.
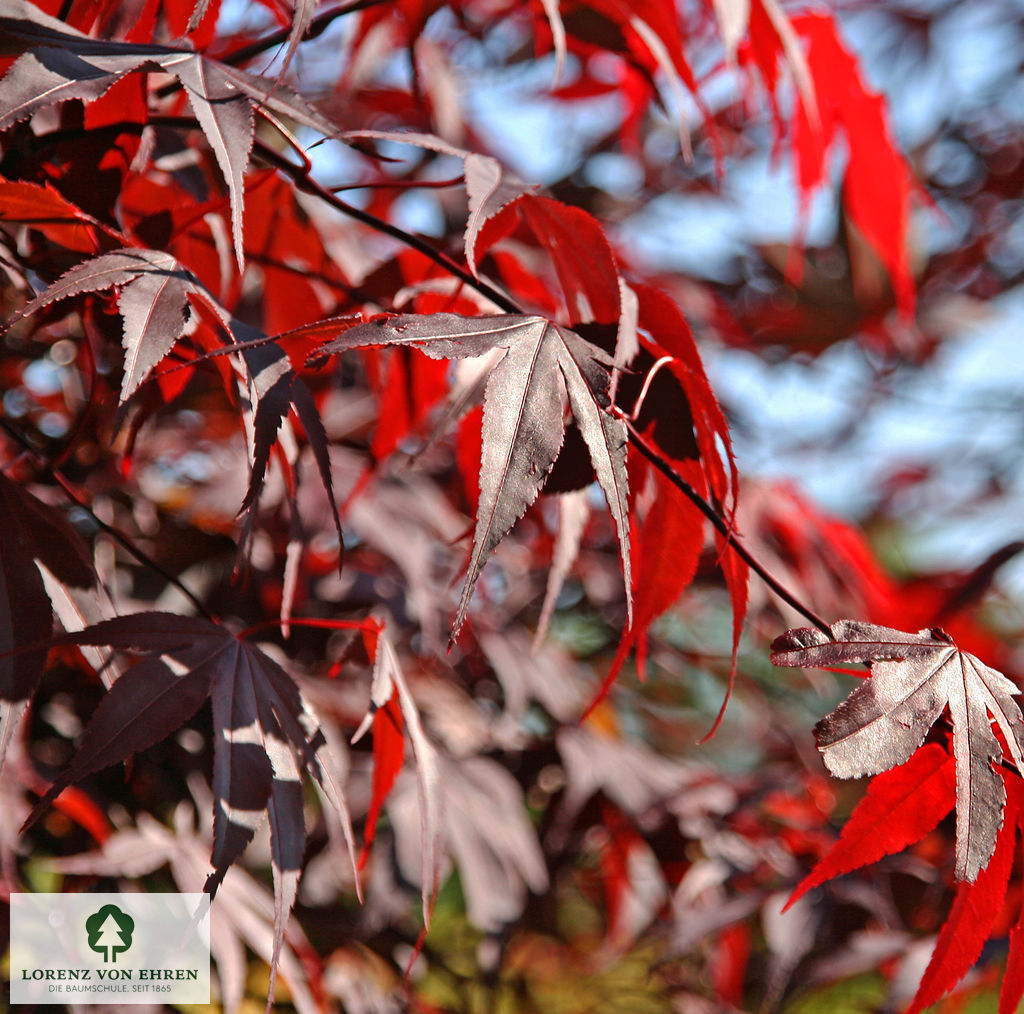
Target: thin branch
column 400, row 185
column 721, row 526
column 304, row 182
column 119, row 537
column 253, row 49
column 316, row 27
column 141, row 555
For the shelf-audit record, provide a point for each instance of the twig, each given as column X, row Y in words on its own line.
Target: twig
column 123, row 540
column 316, row 28
column 306, row 183
column 721, row 526
column 253, row 49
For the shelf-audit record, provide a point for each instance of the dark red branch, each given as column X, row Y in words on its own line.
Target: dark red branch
column 722, row 527
column 305, row 182
column 316, row 27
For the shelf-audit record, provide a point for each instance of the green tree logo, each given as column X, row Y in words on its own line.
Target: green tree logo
column 110, row 931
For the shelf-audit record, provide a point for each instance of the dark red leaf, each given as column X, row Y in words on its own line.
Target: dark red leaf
column 1013, row 978
column 389, row 684
column 737, row 581
column 731, row 961
column 276, row 389
column 877, row 184
column 672, row 400
column 581, row 255
column 264, row 735
column 666, row 546
column 649, row 34
column 414, row 385
column 143, row 707
column 662, row 319
column 68, row 65
column 490, row 189
column 468, row 449
column 198, row 18
column 42, row 208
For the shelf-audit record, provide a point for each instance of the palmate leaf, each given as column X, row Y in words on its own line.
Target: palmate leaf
column 62, row 63
column 265, row 735
column 153, row 297
column 914, row 677
column 545, row 369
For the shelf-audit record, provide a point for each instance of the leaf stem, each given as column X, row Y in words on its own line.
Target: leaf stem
column 721, row 526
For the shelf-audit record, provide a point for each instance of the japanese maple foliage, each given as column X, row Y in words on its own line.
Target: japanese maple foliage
column 335, row 445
